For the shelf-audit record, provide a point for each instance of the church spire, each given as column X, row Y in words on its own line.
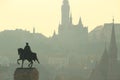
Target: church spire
column 101, row 69
column 80, row 22
column 112, row 55
column 113, row 45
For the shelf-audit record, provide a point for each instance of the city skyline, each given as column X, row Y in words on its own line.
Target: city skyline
column 26, row 14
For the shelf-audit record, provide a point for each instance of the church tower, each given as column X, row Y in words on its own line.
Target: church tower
column 113, row 45
column 108, row 66
column 101, row 70
column 112, row 55
column 65, row 12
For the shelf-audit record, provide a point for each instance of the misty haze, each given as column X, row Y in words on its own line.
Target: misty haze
column 72, row 53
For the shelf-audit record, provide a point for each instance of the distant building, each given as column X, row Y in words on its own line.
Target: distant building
column 71, row 36
column 107, row 69
column 67, row 28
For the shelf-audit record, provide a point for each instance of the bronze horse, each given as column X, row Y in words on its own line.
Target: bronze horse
column 29, row 57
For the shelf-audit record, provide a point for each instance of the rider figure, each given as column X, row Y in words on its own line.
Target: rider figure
column 27, row 49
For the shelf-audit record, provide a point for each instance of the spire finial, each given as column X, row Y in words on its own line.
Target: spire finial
column 113, row 20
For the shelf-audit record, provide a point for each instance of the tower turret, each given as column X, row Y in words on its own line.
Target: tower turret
column 65, row 12
column 80, row 22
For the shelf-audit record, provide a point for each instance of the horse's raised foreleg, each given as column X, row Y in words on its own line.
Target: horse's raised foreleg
column 18, row 61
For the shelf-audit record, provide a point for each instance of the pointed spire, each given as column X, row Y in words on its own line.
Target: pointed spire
column 101, row 68
column 112, row 55
column 103, row 65
column 104, row 58
column 113, row 38
column 54, row 34
column 80, row 22
column 105, row 51
column 105, row 54
column 113, row 45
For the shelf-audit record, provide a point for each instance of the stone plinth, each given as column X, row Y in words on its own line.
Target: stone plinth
column 26, row 74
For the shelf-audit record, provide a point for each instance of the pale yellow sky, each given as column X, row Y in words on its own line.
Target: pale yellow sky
column 45, row 15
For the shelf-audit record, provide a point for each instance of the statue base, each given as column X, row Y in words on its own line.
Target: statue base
column 26, row 74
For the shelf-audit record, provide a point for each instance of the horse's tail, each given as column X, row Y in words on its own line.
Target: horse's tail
column 36, row 58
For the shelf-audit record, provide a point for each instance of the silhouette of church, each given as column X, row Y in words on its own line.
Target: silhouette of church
column 107, row 68
column 67, row 27
column 70, row 35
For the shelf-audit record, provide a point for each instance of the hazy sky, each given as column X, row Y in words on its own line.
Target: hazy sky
column 45, row 15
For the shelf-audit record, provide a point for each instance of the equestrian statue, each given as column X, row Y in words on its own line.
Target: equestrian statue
column 27, row 54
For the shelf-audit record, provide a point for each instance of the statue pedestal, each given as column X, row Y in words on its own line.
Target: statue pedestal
column 26, row 74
